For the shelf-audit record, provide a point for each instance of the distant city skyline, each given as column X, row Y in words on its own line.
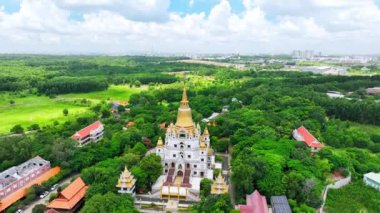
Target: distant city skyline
column 342, row 27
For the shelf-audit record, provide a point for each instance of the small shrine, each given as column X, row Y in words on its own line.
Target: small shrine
column 126, row 183
column 219, row 185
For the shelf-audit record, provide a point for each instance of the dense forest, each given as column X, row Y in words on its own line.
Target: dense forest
column 264, row 108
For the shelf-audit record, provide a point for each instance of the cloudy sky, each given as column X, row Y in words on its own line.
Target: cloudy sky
column 189, row 26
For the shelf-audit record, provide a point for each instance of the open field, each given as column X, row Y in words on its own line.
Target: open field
column 43, row 110
column 114, row 92
column 35, row 110
column 363, row 72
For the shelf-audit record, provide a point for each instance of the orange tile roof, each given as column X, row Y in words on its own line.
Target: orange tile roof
column 130, row 123
column 70, row 196
column 17, row 195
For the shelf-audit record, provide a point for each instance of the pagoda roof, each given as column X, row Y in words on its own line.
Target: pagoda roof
column 70, row 196
column 219, row 186
column 126, row 179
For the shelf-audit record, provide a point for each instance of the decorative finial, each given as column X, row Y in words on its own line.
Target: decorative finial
column 159, row 142
column 206, row 132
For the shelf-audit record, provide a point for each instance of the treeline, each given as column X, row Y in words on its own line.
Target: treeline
column 10, row 83
column 61, row 85
column 144, row 78
column 351, row 110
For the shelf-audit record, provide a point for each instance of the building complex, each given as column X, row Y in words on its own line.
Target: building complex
column 186, row 157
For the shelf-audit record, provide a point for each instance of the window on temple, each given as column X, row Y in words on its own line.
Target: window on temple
column 188, row 146
column 202, row 159
column 174, row 155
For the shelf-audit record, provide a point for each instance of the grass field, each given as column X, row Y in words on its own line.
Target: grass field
column 114, row 92
column 43, row 110
column 361, row 72
column 355, row 197
column 35, row 110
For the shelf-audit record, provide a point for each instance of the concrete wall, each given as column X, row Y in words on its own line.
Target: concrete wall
column 338, row 184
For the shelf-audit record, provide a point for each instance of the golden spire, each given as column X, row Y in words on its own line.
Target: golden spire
column 206, row 133
column 184, row 118
column 159, row 142
column 184, row 95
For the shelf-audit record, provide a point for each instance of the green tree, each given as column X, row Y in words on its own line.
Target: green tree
column 17, row 129
column 205, row 187
column 137, row 83
column 105, row 113
column 34, row 127
column 151, row 164
column 213, row 203
column 139, row 149
column 65, row 112
column 39, row 208
column 141, row 178
column 109, row 202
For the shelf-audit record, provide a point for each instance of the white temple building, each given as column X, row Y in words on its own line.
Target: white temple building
column 186, row 156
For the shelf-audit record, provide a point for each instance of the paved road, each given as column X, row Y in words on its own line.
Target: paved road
column 45, row 200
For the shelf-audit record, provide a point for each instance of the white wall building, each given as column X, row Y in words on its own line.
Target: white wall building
column 372, row 179
column 91, row 133
column 186, row 156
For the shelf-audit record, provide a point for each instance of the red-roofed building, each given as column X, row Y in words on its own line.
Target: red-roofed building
column 302, row 134
column 70, row 199
column 256, row 203
column 91, row 133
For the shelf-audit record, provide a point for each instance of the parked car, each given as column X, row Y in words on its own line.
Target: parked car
column 43, row 195
column 54, row 187
column 18, row 211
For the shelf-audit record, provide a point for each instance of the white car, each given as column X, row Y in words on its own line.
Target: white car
column 19, row 211
column 43, row 195
column 54, row 187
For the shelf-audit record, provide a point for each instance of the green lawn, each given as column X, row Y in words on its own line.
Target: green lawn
column 114, row 92
column 355, row 197
column 43, row 110
column 35, row 110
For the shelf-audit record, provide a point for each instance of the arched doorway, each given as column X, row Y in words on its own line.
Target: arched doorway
column 173, row 165
column 188, row 166
column 180, row 173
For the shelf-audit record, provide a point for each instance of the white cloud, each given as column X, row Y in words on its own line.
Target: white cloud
column 138, row 10
column 119, row 26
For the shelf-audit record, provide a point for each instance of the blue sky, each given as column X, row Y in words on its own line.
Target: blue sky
column 183, row 6
column 190, row 26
